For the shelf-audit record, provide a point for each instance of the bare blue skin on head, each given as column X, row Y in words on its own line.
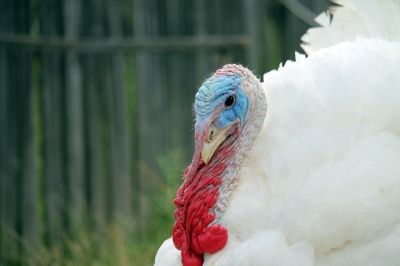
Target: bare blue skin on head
column 212, row 95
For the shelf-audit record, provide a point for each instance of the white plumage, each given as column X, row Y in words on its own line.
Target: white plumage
column 354, row 19
column 321, row 183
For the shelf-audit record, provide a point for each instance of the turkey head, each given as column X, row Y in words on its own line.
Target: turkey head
column 230, row 108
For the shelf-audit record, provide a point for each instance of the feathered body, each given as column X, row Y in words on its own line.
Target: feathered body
column 319, row 182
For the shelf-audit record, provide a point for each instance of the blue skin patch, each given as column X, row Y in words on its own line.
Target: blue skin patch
column 213, row 94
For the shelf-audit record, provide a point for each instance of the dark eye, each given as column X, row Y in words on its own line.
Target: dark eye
column 230, row 101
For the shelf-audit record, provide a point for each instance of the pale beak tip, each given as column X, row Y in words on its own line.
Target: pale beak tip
column 204, row 157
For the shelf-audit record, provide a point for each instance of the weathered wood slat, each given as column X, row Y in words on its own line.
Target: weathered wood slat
column 28, row 177
column 3, row 128
column 53, row 171
column 151, row 80
column 17, row 177
column 3, row 141
column 203, row 63
column 8, row 175
column 180, row 90
column 5, row 219
column 10, row 184
column 22, row 73
column 52, row 125
column 255, row 22
column 94, row 120
column 74, row 122
column 119, row 138
column 97, row 203
column 131, row 91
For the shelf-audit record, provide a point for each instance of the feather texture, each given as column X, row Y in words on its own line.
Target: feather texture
column 354, row 19
column 321, row 183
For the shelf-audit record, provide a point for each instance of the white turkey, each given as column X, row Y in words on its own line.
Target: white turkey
column 312, row 179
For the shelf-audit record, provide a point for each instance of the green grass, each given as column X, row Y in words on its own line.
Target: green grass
column 115, row 247
column 123, row 243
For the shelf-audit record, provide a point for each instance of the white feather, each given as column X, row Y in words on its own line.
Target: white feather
column 321, row 185
column 168, row 255
column 323, row 178
column 356, row 18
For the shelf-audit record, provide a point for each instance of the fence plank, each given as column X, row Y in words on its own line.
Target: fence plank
column 9, row 180
column 3, row 143
column 5, row 220
column 17, row 160
column 255, row 22
column 95, row 150
column 52, row 125
column 151, row 80
column 119, row 139
column 94, row 119
column 204, row 66
column 180, row 90
column 26, row 153
column 74, row 127
column 10, row 184
column 131, row 91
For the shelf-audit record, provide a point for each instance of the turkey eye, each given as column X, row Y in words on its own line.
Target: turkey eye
column 230, row 101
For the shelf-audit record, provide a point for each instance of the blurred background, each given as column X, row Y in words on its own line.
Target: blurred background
column 96, row 122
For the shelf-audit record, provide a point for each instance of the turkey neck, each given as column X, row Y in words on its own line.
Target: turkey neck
column 204, row 195
column 236, row 147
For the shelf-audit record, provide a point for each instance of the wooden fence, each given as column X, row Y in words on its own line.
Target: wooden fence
column 93, row 92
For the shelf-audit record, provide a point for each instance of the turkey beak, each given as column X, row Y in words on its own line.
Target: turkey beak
column 215, row 136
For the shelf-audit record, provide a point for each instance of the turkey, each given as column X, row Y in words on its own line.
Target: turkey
column 303, row 169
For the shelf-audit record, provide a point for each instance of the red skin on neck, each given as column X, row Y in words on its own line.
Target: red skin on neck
column 192, row 232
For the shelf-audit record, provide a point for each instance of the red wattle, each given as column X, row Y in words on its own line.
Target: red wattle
column 214, row 239
column 191, row 259
column 193, row 233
